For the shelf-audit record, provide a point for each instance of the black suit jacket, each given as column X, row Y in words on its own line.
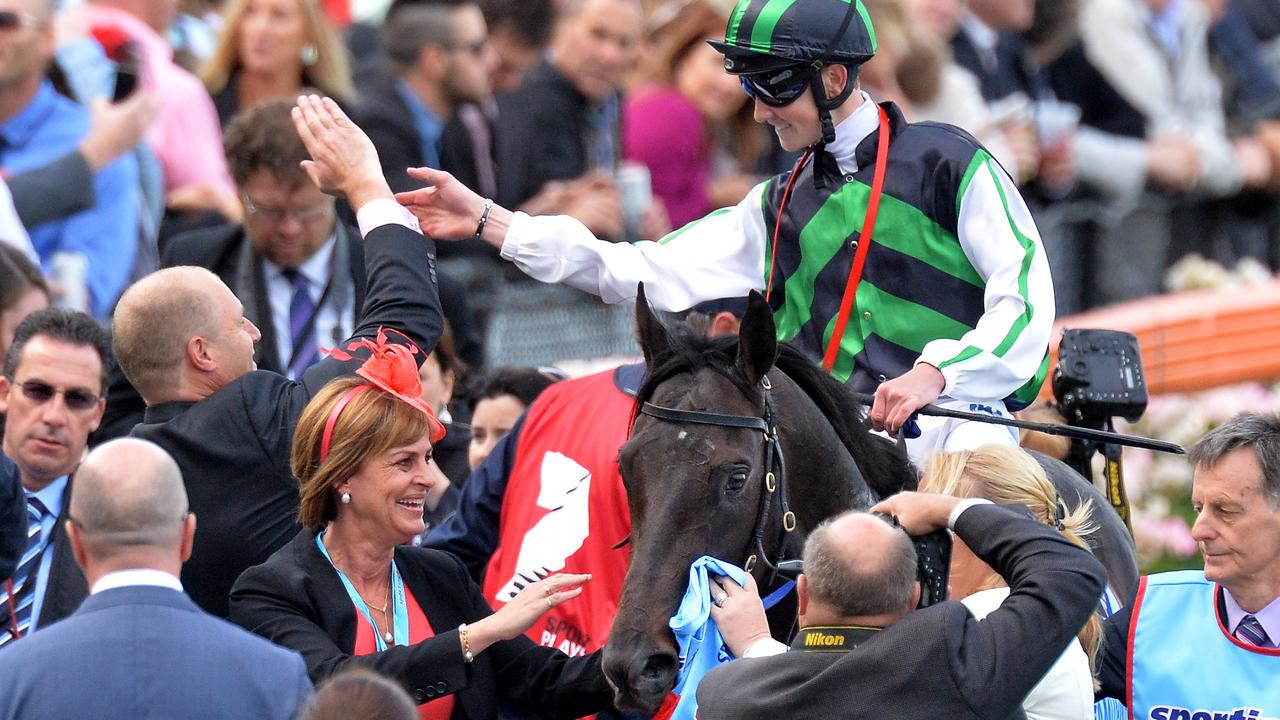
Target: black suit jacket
column 233, row 446
column 296, row 600
column 13, row 517
column 1013, row 71
column 226, row 252
column 66, row 587
column 938, row 662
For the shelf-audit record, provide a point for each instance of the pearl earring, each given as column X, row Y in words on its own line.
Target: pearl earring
column 310, row 54
column 346, row 498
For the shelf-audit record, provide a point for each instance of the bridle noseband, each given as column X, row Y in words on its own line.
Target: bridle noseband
column 774, row 465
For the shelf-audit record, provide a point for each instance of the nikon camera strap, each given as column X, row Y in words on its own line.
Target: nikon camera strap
column 832, row 639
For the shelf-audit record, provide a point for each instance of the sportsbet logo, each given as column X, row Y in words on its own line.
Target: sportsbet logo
column 819, row 639
column 1169, row 712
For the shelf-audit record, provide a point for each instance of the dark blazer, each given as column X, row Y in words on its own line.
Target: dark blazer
column 233, row 446
column 226, row 251
column 13, row 518
column 1013, row 72
column 297, row 600
column 148, row 652
column 938, row 662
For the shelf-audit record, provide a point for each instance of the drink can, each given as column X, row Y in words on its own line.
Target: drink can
column 70, row 271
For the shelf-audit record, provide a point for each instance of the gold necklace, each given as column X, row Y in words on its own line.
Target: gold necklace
column 387, row 635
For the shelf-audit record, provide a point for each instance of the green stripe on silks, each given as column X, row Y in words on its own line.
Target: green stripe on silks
column 768, row 231
column 979, row 158
column 766, row 21
column 892, row 318
column 1027, row 392
column 684, row 228
column 900, row 227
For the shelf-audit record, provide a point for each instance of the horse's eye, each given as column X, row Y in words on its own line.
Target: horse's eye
column 734, row 483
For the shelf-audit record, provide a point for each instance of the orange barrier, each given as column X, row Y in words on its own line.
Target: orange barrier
column 1197, row 339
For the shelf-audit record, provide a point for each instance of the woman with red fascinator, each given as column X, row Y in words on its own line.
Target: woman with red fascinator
column 347, row 590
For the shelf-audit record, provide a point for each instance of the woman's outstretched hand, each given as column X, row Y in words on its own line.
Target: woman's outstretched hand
column 523, row 610
column 449, row 210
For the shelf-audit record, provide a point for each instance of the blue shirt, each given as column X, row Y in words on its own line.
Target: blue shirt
column 429, row 127
column 51, row 496
column 106, row 234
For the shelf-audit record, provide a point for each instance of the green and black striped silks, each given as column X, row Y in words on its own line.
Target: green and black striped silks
column 797, row 31
column 918, row 284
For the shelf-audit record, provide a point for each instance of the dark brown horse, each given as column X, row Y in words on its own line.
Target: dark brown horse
column 704, row 478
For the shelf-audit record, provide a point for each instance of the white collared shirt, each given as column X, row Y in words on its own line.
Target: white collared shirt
column 136, row 576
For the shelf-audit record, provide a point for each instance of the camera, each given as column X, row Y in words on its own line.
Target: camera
column 1099, row 376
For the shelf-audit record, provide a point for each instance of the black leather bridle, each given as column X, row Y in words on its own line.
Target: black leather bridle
column 775, row 477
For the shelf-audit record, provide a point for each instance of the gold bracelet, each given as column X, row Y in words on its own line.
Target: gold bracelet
column 467, row 657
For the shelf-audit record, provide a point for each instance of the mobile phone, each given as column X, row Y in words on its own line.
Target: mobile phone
column 128, row 66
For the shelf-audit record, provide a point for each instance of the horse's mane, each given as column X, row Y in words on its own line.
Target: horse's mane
column 884, row 467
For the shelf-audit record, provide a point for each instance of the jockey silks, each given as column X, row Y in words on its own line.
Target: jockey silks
column 918, row 285
column 565, row 508
column 1185, row 665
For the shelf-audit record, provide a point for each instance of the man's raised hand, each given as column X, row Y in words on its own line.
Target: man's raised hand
column 343, row 159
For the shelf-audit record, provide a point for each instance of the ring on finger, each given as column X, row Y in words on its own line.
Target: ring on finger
column 548, row 601
column 719, row 599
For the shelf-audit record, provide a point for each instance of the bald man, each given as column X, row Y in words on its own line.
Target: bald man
column 138, row 645
column 863, row 650
column 183, row 341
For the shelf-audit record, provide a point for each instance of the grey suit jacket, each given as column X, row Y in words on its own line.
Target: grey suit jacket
column 148, row 652
column 939, row 662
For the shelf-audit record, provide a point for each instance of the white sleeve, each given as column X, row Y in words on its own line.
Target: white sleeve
column 719, row 256
column 1008, row 344
column 384, row 211
column 764, row 647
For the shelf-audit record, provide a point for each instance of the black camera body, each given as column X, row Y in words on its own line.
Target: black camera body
column 1099, row 376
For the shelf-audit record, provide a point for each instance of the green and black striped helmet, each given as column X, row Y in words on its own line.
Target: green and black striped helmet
column 765, row 35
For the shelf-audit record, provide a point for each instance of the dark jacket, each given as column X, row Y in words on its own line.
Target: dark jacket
column 297, row 600
column 233, row 446
column 66, row 587
column 938, row 662
column 13, row 517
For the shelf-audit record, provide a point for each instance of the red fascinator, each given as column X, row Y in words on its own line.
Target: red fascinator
column 391, row 368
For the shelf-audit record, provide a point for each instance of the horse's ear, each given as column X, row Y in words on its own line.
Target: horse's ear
column 757, row 340
column 652, row 334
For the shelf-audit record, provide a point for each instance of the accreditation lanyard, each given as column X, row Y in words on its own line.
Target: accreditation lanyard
column 399, row 607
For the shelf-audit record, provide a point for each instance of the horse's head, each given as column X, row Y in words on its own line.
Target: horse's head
column 693, row 489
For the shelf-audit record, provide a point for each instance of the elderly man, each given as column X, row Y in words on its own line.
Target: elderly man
column 1204, row 644
column 138, row 645
column 864, row 651
column 184, row 342
column 51, row 392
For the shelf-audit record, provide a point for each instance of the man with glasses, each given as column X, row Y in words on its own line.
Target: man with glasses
column 298, row 271
column 51, row 395
column 138, row 647
column 919, row 276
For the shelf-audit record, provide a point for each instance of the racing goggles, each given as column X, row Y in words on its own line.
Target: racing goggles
column 778, row 88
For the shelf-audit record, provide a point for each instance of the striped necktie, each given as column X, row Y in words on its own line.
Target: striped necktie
column 24, row 580
column 1252, row 632
column 301, row 324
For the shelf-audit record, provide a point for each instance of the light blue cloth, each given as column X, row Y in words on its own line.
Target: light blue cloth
column 701, row 647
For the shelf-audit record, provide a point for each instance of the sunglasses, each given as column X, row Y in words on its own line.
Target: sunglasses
column 777, row 88
column 40, row 393
column 12, row 20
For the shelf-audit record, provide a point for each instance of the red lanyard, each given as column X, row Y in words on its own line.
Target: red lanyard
column 864, row 239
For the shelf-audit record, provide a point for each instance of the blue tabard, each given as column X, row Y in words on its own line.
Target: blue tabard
column 1184, row 664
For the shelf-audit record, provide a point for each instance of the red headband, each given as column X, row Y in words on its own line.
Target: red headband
column 391, row 368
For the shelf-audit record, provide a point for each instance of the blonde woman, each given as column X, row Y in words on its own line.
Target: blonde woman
column 272, row 49
column 1008, row 475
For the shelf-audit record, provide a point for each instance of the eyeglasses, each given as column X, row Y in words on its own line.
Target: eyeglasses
column 778, row 88
column 12, row 20
column 277, row 215
column 41, row 393
column 475, row 47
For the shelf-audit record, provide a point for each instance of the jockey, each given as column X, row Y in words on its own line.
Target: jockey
column 900, row 255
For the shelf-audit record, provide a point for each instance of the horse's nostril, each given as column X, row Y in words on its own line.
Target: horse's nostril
column 657, row 676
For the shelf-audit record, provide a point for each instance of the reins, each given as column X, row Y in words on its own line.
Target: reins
column 775, row 478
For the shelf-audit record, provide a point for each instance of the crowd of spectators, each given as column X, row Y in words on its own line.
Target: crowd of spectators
column 159, row 180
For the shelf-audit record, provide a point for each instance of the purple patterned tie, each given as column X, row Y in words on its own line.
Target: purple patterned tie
column 1251, row 631
column 301, row 324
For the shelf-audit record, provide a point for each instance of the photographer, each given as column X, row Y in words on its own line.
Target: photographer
column 863, row 650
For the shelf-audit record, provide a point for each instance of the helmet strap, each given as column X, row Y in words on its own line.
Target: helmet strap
column 826, row 104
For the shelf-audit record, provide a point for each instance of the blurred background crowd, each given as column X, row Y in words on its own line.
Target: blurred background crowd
column 142, row 133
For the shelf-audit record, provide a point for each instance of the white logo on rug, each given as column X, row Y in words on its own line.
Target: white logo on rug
column 566, row 487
